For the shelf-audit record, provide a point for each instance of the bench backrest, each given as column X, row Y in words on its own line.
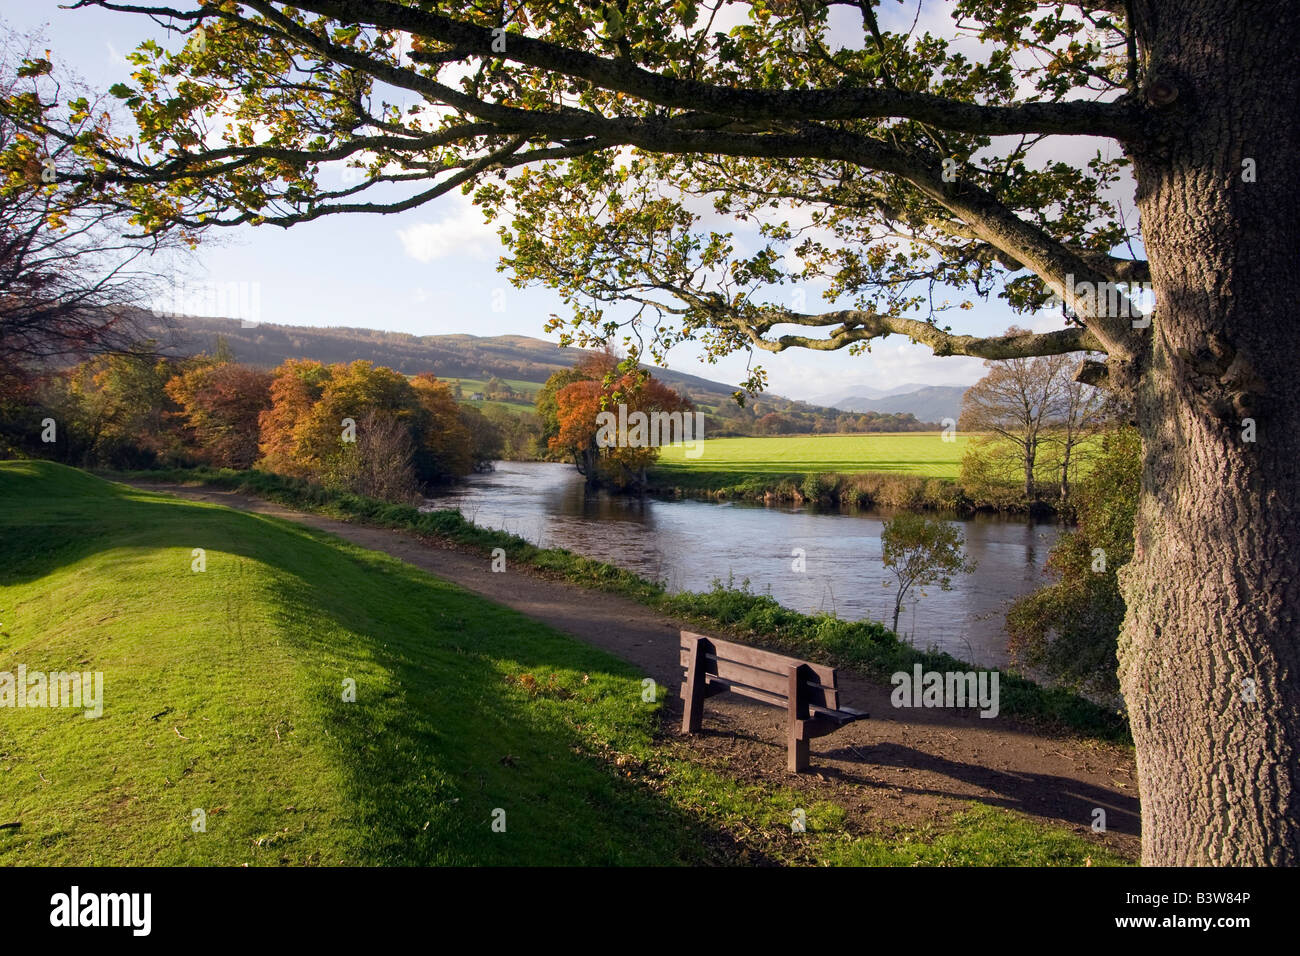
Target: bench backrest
column 760, row 674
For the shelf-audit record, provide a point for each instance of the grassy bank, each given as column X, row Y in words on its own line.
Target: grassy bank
column 866, row 646
column 224, row 692
column 911, row 470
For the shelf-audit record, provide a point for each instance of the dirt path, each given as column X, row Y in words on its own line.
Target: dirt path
column 901, row 766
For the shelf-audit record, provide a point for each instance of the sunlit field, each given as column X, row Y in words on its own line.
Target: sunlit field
column 912, row 453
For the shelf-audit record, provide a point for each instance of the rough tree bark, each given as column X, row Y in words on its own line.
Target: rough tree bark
column 1209, row 657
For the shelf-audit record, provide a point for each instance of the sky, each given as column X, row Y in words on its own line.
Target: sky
column 433, row 270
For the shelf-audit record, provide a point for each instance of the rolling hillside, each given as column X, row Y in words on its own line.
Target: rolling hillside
column 518, row 359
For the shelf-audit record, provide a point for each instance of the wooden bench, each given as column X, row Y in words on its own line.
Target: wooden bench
column 808, row 692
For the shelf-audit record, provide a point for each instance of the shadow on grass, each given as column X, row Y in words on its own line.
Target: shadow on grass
column 477, row 736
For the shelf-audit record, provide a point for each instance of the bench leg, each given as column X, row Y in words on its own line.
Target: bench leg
column 797, row 761
column 693, row 691
column 796, row 715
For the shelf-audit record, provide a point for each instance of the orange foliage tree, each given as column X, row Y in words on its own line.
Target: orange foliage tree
column 604, row 386
column 221, row 404
column 313, row 426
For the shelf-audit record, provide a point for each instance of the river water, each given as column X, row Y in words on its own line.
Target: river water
column 688, row 544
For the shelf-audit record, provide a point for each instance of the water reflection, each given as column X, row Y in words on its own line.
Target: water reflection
column 688, row 544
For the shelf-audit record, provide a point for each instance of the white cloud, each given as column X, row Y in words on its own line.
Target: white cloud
column 462, row 232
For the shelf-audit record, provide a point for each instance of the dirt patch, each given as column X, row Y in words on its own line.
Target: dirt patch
column 901, row 767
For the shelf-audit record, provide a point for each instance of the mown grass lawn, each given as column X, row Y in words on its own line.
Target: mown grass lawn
column 224, row 692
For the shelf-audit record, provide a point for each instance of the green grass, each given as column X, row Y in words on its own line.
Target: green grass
column 525, row 412
column 471, row 385
column 223, row 691
column 910, row 470
column 731, row 460
column 978, row 836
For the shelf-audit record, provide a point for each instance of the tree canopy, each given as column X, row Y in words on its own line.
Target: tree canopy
column 609, row 133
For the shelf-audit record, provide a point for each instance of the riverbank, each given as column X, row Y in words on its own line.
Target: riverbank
column 466, row 713
column 863, row 490
column 865, row 646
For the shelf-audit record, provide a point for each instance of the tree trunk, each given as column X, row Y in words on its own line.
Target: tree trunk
column 1065, row 471
column 1209, row 656
column 1031, row 455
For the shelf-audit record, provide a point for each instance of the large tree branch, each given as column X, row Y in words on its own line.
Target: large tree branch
column 855, row 325
column 620, row 75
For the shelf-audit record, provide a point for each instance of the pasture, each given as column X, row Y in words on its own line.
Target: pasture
column 729, row 461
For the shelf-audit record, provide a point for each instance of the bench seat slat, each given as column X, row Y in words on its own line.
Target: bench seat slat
column 747, row 691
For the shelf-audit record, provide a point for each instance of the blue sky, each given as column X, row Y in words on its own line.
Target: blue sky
column 433, row 270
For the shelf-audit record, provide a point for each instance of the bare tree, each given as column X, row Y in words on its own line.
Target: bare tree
column 74, row 272
column 1029, row 403
column 1080, row 410
column 380, row 463
column 1016, row 402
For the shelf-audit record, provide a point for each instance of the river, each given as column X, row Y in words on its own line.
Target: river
column 686, row 544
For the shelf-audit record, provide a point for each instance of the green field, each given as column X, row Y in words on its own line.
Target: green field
column 731, row 460
column 471, row 385
column 224, row 693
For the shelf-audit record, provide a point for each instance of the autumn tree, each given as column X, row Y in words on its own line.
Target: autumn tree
column 1002, row 165
column 112, row 410
column 445, row 448
column 576, row 408
column 625, row 462
column 548, row 413
column 220, row 405
column 296, row 387
column 604, row 384
column 569, row 426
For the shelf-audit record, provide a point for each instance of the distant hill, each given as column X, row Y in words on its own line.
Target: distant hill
column 929, row 403
column 865, row 392
column 517, row 359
